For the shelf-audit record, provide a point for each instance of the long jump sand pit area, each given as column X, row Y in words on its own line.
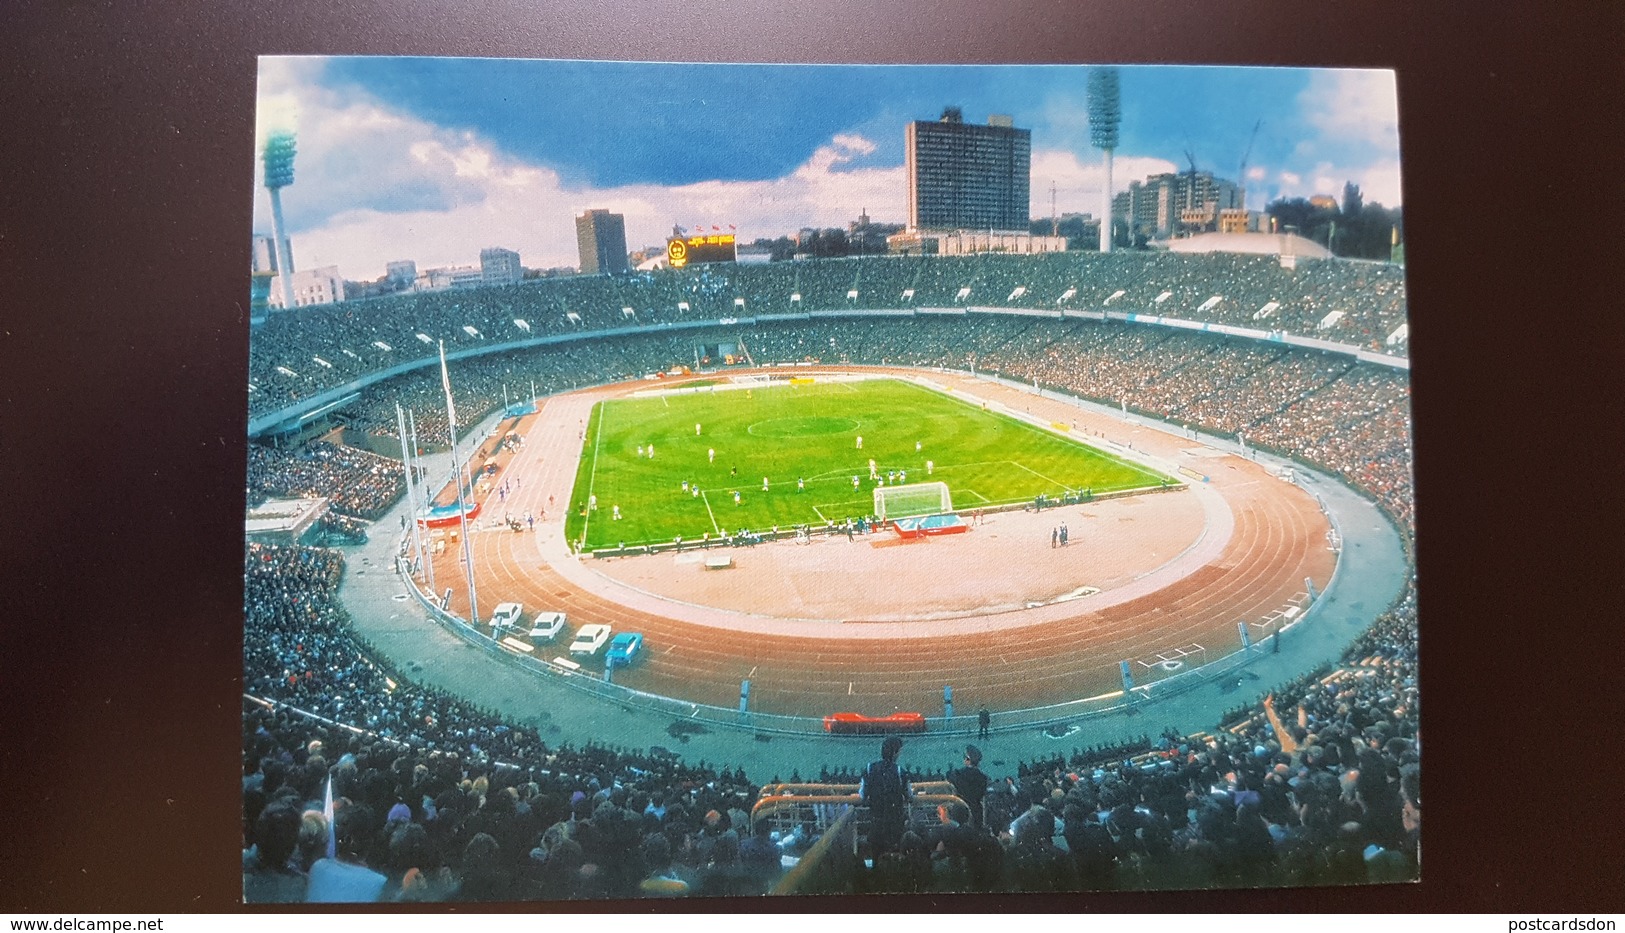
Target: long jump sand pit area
column 877, row 625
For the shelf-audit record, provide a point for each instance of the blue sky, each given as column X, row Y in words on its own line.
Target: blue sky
column 432, row 159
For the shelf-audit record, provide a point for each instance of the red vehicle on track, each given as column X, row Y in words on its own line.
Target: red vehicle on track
column 859, row 724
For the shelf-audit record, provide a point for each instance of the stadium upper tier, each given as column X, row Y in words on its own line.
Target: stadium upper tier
column 299, row 354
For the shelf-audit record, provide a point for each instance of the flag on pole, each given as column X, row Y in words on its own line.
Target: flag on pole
column 327, row 813
column 445, row 380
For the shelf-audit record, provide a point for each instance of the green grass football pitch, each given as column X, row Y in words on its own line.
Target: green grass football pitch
column 804, row 439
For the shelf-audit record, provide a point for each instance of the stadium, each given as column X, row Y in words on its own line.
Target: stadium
column 1254, row 565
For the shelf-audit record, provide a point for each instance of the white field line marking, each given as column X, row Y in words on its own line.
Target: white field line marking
column 592, row 478
column 1034, row 472
column 714, row 526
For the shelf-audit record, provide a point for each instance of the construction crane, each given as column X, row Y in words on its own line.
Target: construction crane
column 1190, row 189
column 1241, row 173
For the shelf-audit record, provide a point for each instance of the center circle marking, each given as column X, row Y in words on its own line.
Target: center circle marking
column 802, row 427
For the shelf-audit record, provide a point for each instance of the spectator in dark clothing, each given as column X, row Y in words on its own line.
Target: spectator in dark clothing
column 268, row 878
column 887, row 794
column 970, row 784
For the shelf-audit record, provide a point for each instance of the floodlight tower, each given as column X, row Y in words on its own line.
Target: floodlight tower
column 1105, row 115
column 278, row 155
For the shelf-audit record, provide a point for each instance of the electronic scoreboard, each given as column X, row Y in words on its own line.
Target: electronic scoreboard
column 687, row 250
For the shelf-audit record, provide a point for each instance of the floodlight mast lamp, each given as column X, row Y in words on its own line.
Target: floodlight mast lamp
column 1105, row 115
column 278, row 155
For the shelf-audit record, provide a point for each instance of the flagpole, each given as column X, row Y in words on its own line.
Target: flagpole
column 327, row 814
column 457, row 477
column 428, row 562
column 411, row 486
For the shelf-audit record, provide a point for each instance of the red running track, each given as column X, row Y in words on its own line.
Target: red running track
column 1164, row 589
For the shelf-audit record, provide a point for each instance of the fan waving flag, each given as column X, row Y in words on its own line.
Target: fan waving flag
column 327, row 814
column 445, row 380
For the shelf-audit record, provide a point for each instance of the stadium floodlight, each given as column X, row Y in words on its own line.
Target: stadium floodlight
column 278, row 155
column 1105, row 116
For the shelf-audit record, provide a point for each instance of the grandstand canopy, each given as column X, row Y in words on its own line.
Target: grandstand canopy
column 1258, row 244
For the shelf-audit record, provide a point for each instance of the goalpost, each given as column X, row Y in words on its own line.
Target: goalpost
column 892, row 502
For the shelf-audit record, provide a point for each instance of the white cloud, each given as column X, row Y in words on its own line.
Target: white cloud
column 527, row 208
column 1078, row 183
column 1355, row 116
column 373, row 184
column 1353, row 106
column 1379, row 183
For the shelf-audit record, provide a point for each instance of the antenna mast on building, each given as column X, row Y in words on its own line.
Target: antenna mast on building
column 1054, row 222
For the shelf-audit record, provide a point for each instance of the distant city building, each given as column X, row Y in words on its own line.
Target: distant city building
column 968, row 242
column 601, row 239
column 401, row 273
column 865, row 236
column 500, row 266
column 436, row 280
column 1324, row 201
column 964, row 176
column 323, row 286
column 265, row 253
column 1175, row 204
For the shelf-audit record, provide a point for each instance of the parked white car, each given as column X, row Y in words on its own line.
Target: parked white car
column 506, row 616
column 546, row 626
column 589, row 639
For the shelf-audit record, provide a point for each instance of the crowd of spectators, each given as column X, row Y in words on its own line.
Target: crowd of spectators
column 421, row 775
column 436, row 799
column 356, row 483
column 298, row 354
column 1326, row 409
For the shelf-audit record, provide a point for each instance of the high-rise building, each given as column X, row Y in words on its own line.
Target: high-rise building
column 1175, row 203
column 601, row 238
column 500, row 266
column 964, row 176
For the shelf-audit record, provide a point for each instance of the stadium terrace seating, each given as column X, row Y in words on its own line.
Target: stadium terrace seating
column 298, row 354
column 1327, row 409
column 442, row 801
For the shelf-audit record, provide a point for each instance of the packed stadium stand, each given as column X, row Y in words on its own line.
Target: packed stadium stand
column 439, row 800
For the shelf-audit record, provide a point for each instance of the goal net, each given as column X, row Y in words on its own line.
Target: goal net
column 893, row 502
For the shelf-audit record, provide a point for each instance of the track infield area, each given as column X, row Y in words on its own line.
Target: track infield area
column 727, row 458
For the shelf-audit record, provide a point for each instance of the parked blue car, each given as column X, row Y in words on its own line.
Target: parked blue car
column 622, row 649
